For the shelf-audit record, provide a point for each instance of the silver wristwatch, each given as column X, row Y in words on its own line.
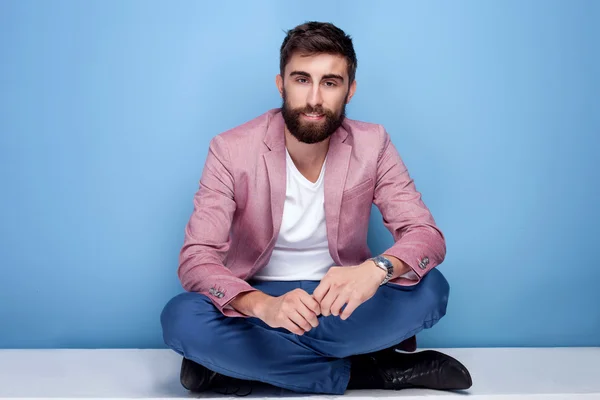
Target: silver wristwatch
column 386, row 265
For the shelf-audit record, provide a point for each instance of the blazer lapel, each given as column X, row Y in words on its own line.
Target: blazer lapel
column 275, row 162
column 338, row 158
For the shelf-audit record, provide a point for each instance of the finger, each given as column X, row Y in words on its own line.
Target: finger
column 350, row 307
column 321, row 290
column 339, row 303
column 328, row 301
column 308, row 315
column 299, row 320
column 292, row 327
column 311, row 303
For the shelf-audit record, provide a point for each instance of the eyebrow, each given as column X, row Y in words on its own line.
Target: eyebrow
column 328, row 76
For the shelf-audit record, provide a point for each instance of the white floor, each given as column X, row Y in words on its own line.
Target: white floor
column 510, row 373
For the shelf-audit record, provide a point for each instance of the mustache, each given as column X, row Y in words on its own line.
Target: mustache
column 314, row 110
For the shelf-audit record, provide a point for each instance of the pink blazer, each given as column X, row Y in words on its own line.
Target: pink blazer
column 239, row 205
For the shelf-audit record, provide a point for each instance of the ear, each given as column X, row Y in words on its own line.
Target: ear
column 279, row 83
column 351, row 91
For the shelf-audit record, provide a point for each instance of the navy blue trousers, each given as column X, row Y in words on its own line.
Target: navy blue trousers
column 316, row 362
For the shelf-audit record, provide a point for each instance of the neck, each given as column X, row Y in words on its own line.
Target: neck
column 306, row 155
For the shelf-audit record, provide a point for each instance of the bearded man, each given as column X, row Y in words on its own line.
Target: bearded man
column 280, row 285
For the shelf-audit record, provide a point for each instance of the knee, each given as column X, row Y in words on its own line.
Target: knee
column 435, row 290
column 178, row 317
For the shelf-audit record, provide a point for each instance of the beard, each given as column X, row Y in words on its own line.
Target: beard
column 311, row 131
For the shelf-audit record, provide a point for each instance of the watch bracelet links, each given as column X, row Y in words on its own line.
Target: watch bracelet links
column 378, row 261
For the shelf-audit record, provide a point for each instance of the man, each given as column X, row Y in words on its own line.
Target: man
column 280, row 285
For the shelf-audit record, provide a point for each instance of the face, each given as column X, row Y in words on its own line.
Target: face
column 315, row 92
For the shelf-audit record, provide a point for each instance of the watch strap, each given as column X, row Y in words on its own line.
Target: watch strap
column 386, row 265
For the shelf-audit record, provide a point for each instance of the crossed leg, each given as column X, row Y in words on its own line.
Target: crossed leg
column 316, row 362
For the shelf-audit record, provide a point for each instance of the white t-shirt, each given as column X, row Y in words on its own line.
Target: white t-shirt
column 301, row 251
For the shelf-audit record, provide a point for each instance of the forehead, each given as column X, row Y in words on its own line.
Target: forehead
column 318, row 64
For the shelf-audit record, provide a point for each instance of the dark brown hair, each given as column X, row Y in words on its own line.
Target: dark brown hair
column 318, row 37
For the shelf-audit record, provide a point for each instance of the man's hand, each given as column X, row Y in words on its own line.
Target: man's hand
column 347, row 285
column 295, row 311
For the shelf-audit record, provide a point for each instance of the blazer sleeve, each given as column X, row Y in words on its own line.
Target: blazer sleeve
column 201, row 268
column 417, row 240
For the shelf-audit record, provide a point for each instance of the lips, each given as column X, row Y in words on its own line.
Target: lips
column 313, row 117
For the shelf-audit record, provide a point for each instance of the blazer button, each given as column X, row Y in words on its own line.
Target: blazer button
column 220, row 295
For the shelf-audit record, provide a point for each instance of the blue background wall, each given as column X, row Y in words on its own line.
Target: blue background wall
column 107, row 109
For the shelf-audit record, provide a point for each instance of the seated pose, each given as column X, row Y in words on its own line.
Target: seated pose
column 280, row 286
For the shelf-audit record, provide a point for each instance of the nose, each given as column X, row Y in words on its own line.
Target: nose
column 314, row 96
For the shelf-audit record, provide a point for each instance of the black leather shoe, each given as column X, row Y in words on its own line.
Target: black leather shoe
column 426, row 369
column 197, row 378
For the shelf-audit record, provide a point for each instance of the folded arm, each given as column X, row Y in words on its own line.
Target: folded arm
column 201, row 268
column 418, row 242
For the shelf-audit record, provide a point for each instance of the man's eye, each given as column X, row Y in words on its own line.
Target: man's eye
column 301, row 80
column 330, row 84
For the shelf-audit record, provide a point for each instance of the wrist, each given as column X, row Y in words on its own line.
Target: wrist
column 378, row 273
column 250, row 303
column 400, row 267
